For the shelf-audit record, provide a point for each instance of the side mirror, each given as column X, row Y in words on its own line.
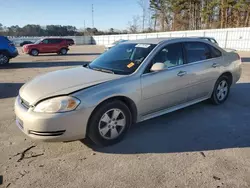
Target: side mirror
column 157, row 67
column 85, row 64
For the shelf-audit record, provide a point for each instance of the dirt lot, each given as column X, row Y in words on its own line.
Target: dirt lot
column 200, row 146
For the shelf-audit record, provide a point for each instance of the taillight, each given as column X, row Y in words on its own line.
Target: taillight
column 238, row 56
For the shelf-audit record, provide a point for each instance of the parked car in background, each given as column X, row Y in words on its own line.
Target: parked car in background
column 210, row 39
column 132, row 82
column 107, row 47
column 25, row 42
column 7, row 50
column 47, row 45
column 70, row 42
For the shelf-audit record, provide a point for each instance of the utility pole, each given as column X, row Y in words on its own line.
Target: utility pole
column 84, row 25
column 93, row 24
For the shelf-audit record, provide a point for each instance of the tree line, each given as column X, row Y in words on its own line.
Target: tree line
column 173, row 15
column 54, row 30
column 37, row 30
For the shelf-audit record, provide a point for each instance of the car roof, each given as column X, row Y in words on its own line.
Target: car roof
column 159, row 40
column 149, row 40
column 53, row 38
column 206, row 37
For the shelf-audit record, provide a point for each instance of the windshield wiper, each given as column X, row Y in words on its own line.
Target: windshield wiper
column 103, row 70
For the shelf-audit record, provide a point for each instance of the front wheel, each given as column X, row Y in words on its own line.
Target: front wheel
column 221, row 90
column 4, row 59
column 109, row 123
column 34, row 52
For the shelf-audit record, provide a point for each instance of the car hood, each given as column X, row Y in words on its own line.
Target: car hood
column 29, row 45
column 62, row 82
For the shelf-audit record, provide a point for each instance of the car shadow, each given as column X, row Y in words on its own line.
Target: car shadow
column 8, row 90
column 200, row 127
column 16, row 65
column 245, row 59
column 70, row 54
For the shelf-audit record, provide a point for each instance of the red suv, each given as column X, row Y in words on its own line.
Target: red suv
column 47, row 45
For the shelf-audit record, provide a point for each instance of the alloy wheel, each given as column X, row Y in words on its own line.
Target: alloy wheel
column 112, row 124
column 3, row 59
column 222, row 90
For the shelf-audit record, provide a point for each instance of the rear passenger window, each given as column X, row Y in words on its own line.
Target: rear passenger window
column 197, row 51
column 215, row 52
column 58, row 41
column 54, row 41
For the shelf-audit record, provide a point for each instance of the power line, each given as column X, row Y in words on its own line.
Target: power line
column 93, row 24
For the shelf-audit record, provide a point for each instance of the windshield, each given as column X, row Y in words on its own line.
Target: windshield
column 122, row 59
column 38, row 41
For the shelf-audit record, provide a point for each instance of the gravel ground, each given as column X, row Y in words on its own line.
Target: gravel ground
column 199, row 146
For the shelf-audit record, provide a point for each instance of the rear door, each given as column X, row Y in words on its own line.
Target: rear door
column 203, row 66
column 55, row 44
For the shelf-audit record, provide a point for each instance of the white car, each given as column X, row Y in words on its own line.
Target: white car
column 108, row 46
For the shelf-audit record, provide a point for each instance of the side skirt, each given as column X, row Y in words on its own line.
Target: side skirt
column 168, row 110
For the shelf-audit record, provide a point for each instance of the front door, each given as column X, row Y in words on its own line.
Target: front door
column 166, row 88
column 44, row 46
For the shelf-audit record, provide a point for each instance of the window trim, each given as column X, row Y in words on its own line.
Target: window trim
column 146, row 71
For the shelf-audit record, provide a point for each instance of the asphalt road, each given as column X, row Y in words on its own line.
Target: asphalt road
column 200, row 146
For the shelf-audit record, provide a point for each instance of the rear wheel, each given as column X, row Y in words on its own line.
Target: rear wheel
column 221, row 90
column 109, row 123
column 4, row 59
column 63, row 51
column 34, row 52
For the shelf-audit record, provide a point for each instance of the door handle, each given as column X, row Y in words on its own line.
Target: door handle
column 181, row 73
column 214, row 65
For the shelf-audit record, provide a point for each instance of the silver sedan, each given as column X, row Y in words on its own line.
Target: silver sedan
column 132, row 82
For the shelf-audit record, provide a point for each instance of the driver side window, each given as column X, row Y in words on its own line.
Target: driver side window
column 171, row 55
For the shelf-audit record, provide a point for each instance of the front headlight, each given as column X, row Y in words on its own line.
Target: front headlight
column 57, row 104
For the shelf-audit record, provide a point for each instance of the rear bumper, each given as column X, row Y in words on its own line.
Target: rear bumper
column 52, row 127
column 237, row 72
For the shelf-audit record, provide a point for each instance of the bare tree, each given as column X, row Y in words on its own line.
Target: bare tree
column 134, row 24
column 144, row 6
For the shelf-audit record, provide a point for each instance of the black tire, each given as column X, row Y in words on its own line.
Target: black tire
column 34, row 52
column 93, row 126
column 214, row 97
column 63, row 51
column 4, row 59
